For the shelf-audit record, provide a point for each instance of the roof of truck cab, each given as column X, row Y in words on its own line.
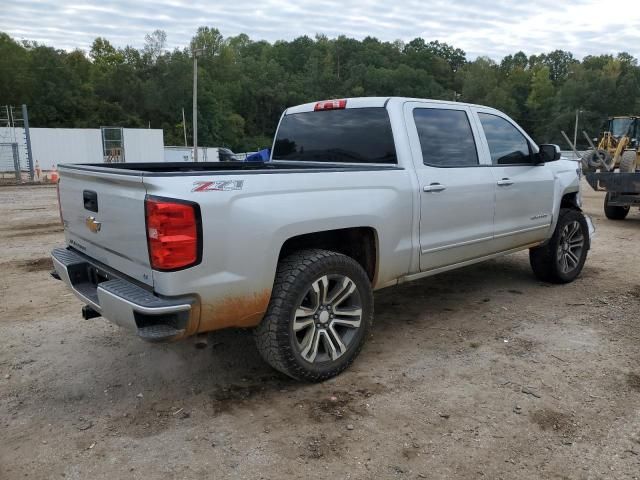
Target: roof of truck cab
column 364, row 102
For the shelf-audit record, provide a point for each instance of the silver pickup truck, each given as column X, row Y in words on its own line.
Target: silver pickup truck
column 359, row 194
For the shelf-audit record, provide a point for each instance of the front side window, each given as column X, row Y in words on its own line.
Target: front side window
column 352, row 135
column 506, row 144
column 445, row 137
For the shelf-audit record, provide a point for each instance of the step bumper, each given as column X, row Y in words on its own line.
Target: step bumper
column 152, row 317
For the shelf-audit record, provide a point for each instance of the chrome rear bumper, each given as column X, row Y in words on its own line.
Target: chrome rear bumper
column 121, row 301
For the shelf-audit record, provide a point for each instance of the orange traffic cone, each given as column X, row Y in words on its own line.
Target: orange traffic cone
column 54, row 174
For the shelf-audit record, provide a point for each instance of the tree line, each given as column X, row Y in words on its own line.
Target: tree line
column 244, row 85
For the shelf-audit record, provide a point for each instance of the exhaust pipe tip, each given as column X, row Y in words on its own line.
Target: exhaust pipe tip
column 89, row 313
column 201, row 341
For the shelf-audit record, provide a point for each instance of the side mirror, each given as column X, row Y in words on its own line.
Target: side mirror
column 549, row 153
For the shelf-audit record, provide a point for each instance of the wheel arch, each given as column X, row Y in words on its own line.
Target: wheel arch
column 359, row 243
column 571, row 200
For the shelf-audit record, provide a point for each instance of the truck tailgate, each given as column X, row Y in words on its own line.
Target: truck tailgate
column 104, row 218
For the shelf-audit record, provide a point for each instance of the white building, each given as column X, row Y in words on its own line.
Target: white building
column 54, row 146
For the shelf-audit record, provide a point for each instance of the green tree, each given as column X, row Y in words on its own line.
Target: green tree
column 154, row 45
column 104, row 54
column 540, row 101
column 245, row 84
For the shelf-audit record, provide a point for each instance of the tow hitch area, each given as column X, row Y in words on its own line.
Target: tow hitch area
column 154, row 318
column 88, row 313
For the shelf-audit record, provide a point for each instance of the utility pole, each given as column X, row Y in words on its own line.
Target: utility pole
column 575, row 130
column 196, row 52
column 27, row 137
column 184, row 127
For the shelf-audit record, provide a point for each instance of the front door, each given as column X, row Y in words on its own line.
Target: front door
column 456, row 190
column 524, row 191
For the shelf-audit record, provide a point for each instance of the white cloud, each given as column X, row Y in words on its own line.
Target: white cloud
column 480, row 27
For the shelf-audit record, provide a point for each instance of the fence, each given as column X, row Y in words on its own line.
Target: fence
column 16, row 161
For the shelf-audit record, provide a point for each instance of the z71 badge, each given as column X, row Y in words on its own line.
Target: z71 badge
column 217, row 186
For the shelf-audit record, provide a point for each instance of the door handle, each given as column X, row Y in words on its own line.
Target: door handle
column 505, row 182
column 434, row 187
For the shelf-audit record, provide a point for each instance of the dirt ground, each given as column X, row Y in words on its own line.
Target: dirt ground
column 479, row 373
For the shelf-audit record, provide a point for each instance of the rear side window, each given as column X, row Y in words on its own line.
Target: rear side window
column 356, row 135
column 506, row 144
column 445, row 137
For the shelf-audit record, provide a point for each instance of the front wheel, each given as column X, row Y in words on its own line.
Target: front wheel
column 562, row 258
column 320, row 311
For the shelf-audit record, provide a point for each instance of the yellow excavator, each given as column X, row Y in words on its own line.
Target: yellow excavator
column 613, row 166
column 617, row 147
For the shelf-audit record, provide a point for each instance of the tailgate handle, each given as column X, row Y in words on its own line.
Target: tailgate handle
column 90, row 199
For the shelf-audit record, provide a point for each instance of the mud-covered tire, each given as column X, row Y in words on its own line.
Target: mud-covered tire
column 628, row 161
column 593, row 160
column 584, row 160
column 275, row 336
column 546, row 261
column 615, row 212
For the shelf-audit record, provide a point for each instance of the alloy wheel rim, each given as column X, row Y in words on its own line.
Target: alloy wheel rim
column 570, row 247
column 326, row 322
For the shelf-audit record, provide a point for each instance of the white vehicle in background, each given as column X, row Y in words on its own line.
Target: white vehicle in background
column 360, row 194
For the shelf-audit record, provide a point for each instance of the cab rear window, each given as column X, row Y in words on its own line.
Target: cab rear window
column 353, row 135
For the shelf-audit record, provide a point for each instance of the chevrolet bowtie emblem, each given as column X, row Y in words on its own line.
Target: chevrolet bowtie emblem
column 92, row 224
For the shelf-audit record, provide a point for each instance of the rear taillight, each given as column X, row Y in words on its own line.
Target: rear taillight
column 173, row 231
column 330, row 105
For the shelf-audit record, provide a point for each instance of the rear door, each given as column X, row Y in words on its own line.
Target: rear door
column 524, row 191
column 456, row 189
column 103, row 216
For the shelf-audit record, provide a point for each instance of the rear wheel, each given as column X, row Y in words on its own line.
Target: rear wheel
column 320, row 311
column 615, row 212
column 562, row 258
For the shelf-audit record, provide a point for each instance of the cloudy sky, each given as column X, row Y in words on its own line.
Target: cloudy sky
column 480, row 27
